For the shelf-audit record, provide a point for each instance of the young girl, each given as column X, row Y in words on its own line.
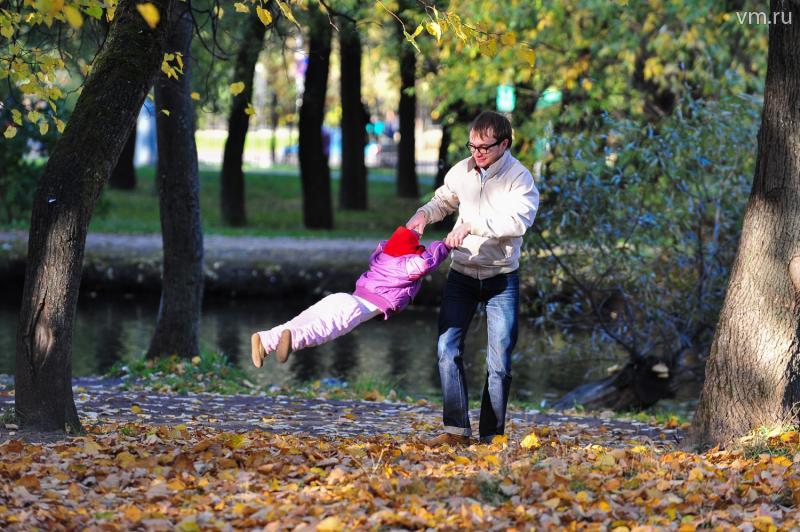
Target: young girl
column 396, row 269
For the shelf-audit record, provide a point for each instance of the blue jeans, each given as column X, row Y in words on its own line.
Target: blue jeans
column 462, row 294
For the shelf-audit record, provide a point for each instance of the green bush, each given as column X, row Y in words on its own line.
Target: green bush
column 639, row 224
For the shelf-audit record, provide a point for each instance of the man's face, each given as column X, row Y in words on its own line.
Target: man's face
column 485, row 149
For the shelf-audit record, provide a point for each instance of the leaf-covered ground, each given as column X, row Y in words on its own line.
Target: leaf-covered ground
column 153, row 461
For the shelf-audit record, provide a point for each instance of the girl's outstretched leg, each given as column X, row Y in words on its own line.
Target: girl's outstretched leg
column 323, row 321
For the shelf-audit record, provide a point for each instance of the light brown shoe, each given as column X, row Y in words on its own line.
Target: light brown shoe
column 284, row 346
column 257, row 351
column 447, row 439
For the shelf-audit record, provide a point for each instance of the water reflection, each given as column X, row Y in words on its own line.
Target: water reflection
column 401, row 350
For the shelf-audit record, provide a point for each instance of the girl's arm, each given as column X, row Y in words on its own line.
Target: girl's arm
column 431, row 258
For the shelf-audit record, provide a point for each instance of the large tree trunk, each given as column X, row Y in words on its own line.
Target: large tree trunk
column 353, row 181
column 124, row 175
column 407, row 113
column 79, row 166
column 753, row 370
column 315, row 174
column 232, row 179
column 178, row 322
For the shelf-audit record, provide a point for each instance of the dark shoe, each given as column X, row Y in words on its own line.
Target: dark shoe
column 284, row 346
column 447, row 439
column 257, row 351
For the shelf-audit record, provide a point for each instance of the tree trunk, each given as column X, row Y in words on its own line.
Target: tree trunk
column 753, row 370
column 79, row 166
column 232, row 179
column 273, row 141
column 353, row 181
column 442, row 167
column 124, row 175
column 315, row 175
column 406, row 159
column 178, row 322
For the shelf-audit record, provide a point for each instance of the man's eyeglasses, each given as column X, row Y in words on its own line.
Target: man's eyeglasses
column 482, row 150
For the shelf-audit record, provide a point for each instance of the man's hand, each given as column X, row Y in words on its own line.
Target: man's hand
column 457, row 236
column 417, row 223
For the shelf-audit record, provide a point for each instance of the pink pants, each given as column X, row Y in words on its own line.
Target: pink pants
column 332, row 316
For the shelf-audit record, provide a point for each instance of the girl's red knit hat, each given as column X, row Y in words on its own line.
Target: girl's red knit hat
column 403, row 242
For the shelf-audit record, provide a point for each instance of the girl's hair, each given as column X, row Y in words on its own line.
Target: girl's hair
column 489, row 122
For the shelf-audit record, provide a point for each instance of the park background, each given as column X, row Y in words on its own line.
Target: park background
column 631, row 223
column 293, row 135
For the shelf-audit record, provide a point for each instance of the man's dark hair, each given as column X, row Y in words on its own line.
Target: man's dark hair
column 494, row 123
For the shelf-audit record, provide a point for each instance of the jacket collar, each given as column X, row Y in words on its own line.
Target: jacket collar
column 494, row 168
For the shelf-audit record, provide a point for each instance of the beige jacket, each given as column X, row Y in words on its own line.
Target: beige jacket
column 499, row 208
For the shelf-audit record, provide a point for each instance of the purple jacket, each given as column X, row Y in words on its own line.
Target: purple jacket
column 392, row 282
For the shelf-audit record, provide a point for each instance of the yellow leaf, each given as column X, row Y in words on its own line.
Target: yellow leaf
column 237, row 88
column 91, row 447
column 434, row 29
column 195, row 360
column 527, row 55
column 125, row 459
column 552, row 503
column 264, row 16
column 110, row 11
column 782, row 461
column 462, row 460
column 488, row 47
column 492, row 459
column 790, row 437
column 73, row 17
column 43, row 127
column 241, row 8
column 509, row 39
column 136, row 409
column 500, row 440
column 196, row 96
column 188, row 526
column 165, row 111
column 330, row 524
column 287, row 12
column 696, row 474
column 530, row 441
column 16, row 116
column 606, row 460
column 132, row 513
column 149, row 13
column 10, row 132
column 60, row 125
column 603, row 506
column 176, row 484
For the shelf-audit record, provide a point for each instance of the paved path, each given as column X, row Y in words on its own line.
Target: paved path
column 101, row 399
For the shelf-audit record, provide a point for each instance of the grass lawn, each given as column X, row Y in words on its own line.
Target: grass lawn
column 274, row 208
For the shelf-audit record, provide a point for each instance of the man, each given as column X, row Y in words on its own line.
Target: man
column 497, row 202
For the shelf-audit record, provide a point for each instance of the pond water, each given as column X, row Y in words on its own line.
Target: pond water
column 401, row 350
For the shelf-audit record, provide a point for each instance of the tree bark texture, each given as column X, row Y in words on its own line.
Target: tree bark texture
column 79, row 166
column 315, row 174
column 353, row 181
column 753, row 370
column 232, row 187
column 178, row 323
column 124, row 175
column 407, row 113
